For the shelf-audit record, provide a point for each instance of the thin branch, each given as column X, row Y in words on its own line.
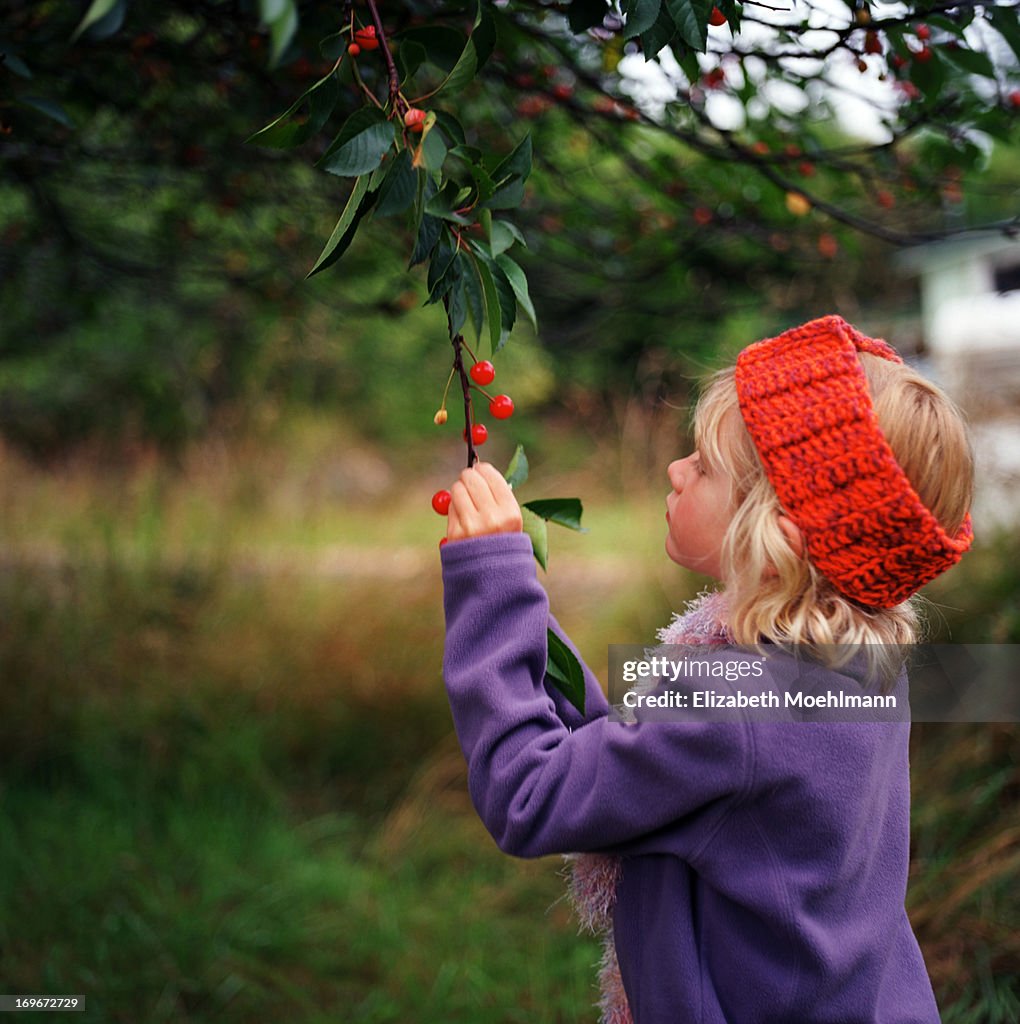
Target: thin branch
column 391, row 68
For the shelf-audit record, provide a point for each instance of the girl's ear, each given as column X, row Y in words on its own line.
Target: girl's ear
column 791, row 531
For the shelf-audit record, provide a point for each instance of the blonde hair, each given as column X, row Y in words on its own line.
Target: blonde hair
column 775, row 594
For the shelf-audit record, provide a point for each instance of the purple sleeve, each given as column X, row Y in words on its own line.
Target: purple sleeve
column 538, row 786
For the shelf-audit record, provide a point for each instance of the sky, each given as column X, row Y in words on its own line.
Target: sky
column 858, row 100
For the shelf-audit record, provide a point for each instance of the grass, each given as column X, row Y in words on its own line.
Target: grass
column 231, row 791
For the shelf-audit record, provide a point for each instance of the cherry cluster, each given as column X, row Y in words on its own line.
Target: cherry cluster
column 364, row 39
column 501, row 407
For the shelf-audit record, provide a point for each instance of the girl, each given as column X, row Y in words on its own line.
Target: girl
column 749, row 871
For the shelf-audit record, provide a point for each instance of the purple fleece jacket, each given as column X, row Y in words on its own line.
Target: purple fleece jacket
column 764, row 864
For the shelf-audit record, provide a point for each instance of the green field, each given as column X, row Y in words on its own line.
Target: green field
column 231, row 790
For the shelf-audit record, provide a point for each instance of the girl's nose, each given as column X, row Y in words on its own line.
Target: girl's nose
column 675, row 472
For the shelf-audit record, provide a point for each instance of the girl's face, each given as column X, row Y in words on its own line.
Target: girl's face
column 699, row 510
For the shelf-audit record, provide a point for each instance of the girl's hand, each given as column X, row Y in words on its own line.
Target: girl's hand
column 482, row 502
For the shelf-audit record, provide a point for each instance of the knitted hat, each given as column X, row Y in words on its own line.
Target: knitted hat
column 804, row 398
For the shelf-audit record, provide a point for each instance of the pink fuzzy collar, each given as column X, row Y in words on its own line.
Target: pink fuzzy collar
column 593, row 877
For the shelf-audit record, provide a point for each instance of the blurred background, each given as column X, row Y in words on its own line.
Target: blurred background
column 229, row 785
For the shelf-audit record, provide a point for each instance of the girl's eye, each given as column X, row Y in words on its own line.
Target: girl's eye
column 699, row 466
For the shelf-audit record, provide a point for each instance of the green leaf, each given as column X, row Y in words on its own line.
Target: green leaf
column 641, row 15
column 409, row 57
column 733, row 12
column 12, row 62
column 398, row 189
column 476, row 51
column 517, row 472
column 563, row 511
column 359, row 147
column 505, row 297
column 564, row 671
column 450, row 127
column 446, row 203
column 358, row 204
column 493, row 313
column 929, row 75
column 517, row 163
column 535, row 527
column 484, row 187
column 457, row 296
column 507, row 304
column 970, row 60
column 442, row 45
column 519, row 283
column 281, row 28
column 474, row 296
column 691, row 20
column 48, row 107
column 335, row 46
column 688, row 61
column 439, row 277
column 290, row 130
column 270, row 10
column 503, row 235
column 509, row 176
column 940, row 21
column 659, row 35
column 428, row 235
column 98, row 10
column 506, row 197
column 431, row 152
column 586, row 14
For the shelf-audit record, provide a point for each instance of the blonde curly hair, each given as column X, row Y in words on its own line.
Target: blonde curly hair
column 775, row 594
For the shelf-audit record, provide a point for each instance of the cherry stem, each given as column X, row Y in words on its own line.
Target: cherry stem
column 398, row 102
column 446, row 390
column 364, row 88
column 457, row 340
column 478, row 387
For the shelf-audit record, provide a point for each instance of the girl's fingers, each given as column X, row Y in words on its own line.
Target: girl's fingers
column 462, row 514
column 494, row 478
column 453, row 526
column 482, row 503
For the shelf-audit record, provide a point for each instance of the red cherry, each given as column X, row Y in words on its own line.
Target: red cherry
column 354, row 49
column 441, row 502
column 366, row 38
column 702, row 215
column 413, row 117
column 443, row 540
column 713, row 79
column 483, row 372
column 502, row 407
column 1014, row 99
column 923, row 55
column 806, row 168
column 717, row 17
column 872, row 43
column 922, row 32
column 479, row 433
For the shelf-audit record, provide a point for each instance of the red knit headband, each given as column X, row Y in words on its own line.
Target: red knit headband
column 805, row 400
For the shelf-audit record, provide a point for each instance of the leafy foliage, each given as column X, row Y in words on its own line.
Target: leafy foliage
column 125, row 185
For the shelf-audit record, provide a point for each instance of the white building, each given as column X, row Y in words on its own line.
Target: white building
column 970, row 316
